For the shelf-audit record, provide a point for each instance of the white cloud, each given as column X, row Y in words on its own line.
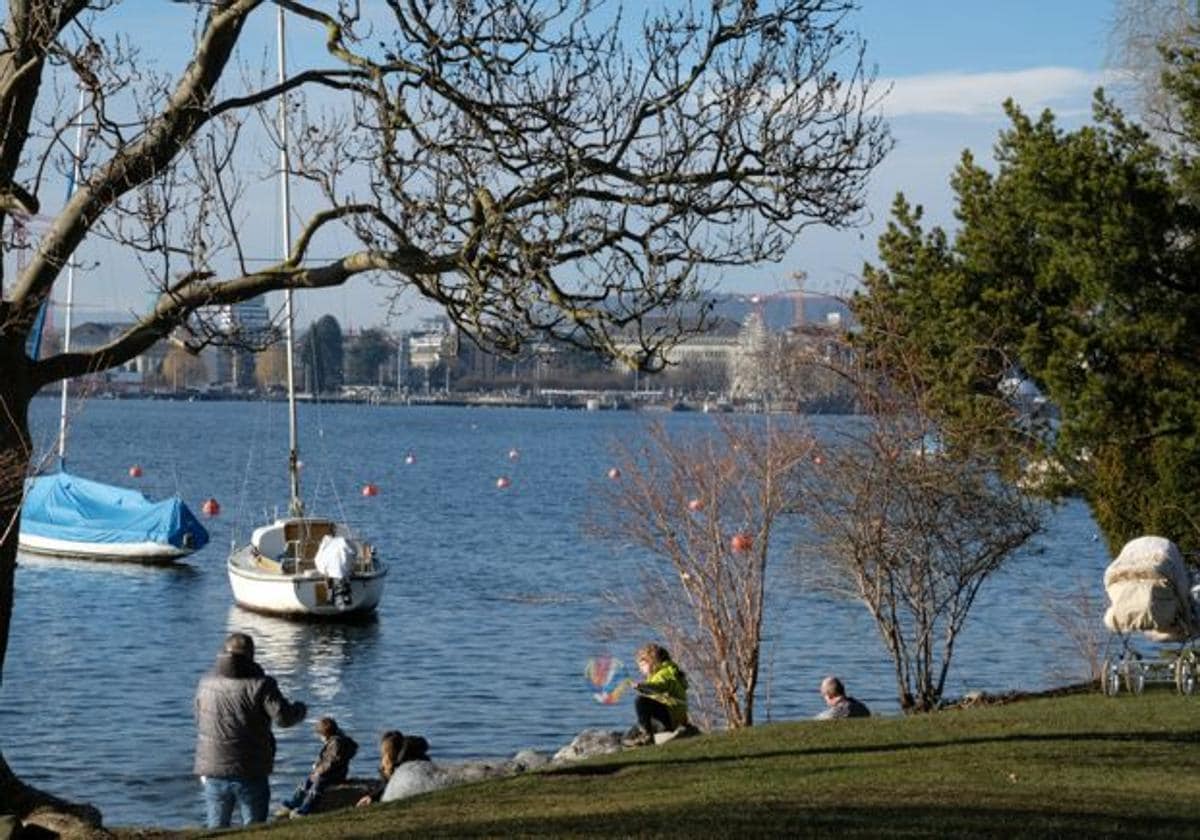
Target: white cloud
column 981, row 94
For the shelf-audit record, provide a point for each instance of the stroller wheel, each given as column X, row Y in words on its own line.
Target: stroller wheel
column 1185, row 674
column 1110, row 678
column 1135, row 677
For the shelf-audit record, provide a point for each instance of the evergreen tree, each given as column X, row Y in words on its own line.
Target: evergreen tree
column 1075, row 266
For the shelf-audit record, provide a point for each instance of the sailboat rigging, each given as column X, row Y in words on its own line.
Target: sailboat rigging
column 64, row 515
column 300, row 565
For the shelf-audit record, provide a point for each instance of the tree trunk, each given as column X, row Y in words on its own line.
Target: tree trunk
column 15, row 453
column 16, row 797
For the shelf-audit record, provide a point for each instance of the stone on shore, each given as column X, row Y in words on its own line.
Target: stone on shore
column 529, row 760
column 413, row 778
column 588, row 743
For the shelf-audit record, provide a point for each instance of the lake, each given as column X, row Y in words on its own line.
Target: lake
column 490, row 613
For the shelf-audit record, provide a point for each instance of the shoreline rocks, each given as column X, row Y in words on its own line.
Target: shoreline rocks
column 416, row 777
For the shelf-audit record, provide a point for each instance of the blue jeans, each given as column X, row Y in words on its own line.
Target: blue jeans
column 221, row 793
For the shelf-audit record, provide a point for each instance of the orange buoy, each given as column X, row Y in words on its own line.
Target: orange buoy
column 210, row 507
column 502, row 482
column 370, row 490
column 614, row 473
column 135, row 471
column 695, row 505
column 741, row 543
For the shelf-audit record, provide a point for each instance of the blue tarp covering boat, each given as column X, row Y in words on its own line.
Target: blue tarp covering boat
column 64, row 514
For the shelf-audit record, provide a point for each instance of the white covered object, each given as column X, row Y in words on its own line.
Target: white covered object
column 1148, row 588
column 335, row 557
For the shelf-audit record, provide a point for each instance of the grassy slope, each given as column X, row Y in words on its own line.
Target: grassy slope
column 1077, row 764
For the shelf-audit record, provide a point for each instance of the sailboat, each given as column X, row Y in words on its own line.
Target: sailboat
column 302, row 566
column 64, row 515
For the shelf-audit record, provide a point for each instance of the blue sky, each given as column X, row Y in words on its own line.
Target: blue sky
column 950, row 64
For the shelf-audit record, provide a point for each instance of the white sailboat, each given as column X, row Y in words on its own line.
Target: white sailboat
column 64, row 515
column 302, row 566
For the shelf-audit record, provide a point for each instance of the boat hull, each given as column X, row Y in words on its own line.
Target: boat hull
column 303, row 595
column 150, row 553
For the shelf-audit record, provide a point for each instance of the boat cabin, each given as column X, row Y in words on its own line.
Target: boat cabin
column 290, row 546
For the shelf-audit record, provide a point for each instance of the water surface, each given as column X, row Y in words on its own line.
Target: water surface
column 489, row 615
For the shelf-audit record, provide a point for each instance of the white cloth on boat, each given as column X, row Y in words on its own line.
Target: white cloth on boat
column 335, row 557
column 1149, row 590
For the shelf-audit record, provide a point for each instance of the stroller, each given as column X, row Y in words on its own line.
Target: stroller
column 1151, row 594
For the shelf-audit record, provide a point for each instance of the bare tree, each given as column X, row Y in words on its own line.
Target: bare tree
column 705, row 510
column 910, row 516
column 181, row 369
column 540, row 168
column 1140, row 32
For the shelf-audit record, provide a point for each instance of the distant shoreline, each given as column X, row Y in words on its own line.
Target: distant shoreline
column 576, row 400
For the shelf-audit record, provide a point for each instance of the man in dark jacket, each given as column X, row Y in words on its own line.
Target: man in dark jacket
column 236, row 703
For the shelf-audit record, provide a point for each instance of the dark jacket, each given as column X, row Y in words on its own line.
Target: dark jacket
column 235, row 705
column 845, row 707
column 334, row 760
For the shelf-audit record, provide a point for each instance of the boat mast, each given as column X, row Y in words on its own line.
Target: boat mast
column 76, row 166
column 295, row 505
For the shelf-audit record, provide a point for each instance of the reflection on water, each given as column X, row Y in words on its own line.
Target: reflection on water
column 311, row 655
column 84, row 565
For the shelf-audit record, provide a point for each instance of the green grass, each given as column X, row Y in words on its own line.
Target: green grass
column 1079, row 764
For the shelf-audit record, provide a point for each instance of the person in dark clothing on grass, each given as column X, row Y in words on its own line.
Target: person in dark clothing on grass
column 236, row 703
column 837, row 704
column 330, row 768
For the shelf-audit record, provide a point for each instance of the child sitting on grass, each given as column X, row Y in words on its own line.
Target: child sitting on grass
column 330, row 767
column 661, row 697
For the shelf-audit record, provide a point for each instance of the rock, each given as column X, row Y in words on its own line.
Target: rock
column 344, row 795
column 82, row 822
column 527, row 760
column 474, row 771
column 588, row 743
column 415, row 777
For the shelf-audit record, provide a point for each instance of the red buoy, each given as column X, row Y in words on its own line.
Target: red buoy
column 370, row 490
column 210, row 507
column 502, row 482
column 695, row 505
column 135, row 471
column 614, row 473
column 741, row 543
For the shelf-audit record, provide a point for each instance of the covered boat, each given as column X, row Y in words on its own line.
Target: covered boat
column 64, row 515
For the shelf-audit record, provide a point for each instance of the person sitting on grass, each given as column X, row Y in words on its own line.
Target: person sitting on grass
column 838, row 705
column 395, row 748
column 661, row 703
column 330, row 768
